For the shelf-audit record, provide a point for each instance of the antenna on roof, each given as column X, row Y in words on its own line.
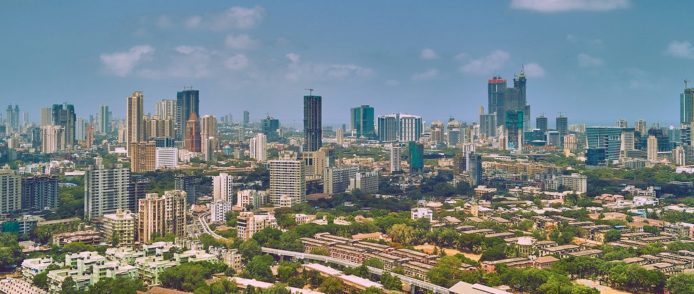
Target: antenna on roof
column 310, row 91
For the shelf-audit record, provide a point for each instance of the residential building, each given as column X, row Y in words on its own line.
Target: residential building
column 254, row 198
column 187, row 103
column 52, row 139
column 366, row 182
column 39, row 193
column 106, row 191
column 165, row 158
column 222, row 187
column 192, row 141
column 416, row 156
column 119, row 228
column 249, row 223
column 142, row 156
column 399, row 127
column 161, row 215
column 135, row 120
column 63, row 115
column 422, row 212
column 313, row 125
column 218, row 210
column 287, row 179
column 258, row 147
column 10, row 191
column 395, row 156
column 336, row 179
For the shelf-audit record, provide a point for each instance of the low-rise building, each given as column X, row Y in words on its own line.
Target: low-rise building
column 119, row 228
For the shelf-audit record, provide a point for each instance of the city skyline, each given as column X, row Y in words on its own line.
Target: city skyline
column 232, row 50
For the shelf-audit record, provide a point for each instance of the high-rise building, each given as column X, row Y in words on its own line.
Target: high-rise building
column 142, row 156
column 362, row 122
column 339, row 136
column 641, row 127
column 166, row 109
column 208, row 129
column 192, row 138
column 453, row 136
column 395, row 154
column 541, row 123
column 316, row 161
column 652, row 148
column 366, row 182
column 218, row 210
column 514, row 129
column 270, row 127
column 622, row 123
column 487, row 124
column 313, row 124
column 222, row 187
column 336, row 179
column 399, row 127
column 39, row 193
column 135, row 119
column 246, row 118
column 502, row 99
column 52, row 137
column 687, row 106
column 606, row 138
column 192, row 185
column 287, row 179
column 474, row 168
column 119, row 228
column 570, row 143
column 105, row 119
column 156, row 127
column 81, row 130
column 562, row 126
column 254, row 198
column 46, row 116
column 258, row 147
column 12, row 119
column 106, row 191
column 627, row 141
column 64, row 115
column 187, row 103
column 437, row 132
column 416, row 156
column 161, row 215
column 166, row 158
column 10, row 191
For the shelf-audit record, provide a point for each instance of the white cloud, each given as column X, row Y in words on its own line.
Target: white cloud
column 307, row 71
column 487, row 64
column 429, row 74
column 549, row 6
column 122, row 63
column 681, row 49
column 533, row 70
column 240, row 42
column 586, row 61
column 188, row 62
column 237, row 62
column 428, row 54
column 236, row 17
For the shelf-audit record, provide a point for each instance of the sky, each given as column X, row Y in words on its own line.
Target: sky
column 595, row 61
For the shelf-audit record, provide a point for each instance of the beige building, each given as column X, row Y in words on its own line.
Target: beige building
column 287, row 179
column 652, row 148
column 135, row 119
column 10, row 191
column 249, row 223
column 119, row 228
column 161, row 215
column 142, row 156
column 52, row 139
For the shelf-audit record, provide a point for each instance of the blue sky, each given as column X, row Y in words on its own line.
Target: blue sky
column 594, row 60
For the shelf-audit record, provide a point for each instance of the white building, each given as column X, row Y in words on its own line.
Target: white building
column 218, row 210
column 395, row 151
column 366, row 182
column 258, row 147
column 422, row 212
column 255, row 198
column 574, row 182
column 166, row 158
column 105, row 191
column 222, row 187
column 52, row 139
column 249, row 223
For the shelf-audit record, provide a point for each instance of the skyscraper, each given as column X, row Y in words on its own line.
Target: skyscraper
column 64, row 115
column 287, row 180
column 258, row 147
column 606, row 138
column 437, row 132
column 135, row 119
column 416, row 155
column 192, row 138
column 541, row 123
column 487, row 124
column 104, row 119
column 246, row 118
column 687, row 106
column 362, row 122
column 502, row 99
column 106, row 191
column 270, row 127
column 399, row 127
column 208, row 135
column 514, row 129
column 46, row 116
column 52, row 139
column 187, row 103
column 166, row 109
column 12, row 119
column 652, row 149
column 313, row 125
column 562, row 126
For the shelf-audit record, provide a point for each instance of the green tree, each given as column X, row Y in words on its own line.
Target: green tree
column 446, row 272
column 188, row 276
column 287, row 270
column 259, row 268
column 249, row 249
column 372, row 290
column 10, row 251
column 402, row 234
column 221, row 286
column 681, row 284
column 613, row 235
column 391, row 282
column 118, row 285
column 331, row 285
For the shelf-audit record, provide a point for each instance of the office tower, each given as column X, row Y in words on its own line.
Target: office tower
column 641, row 127
column 64, row 115
column 553, row 138
column 562, row 125
column 222, row 187
column 687, row 106
column 10, row 191
column 161, row 215
column 541, row 123
column 453, row 133
column 366, row 182
column 46, row 116
column 395, row 155
column 105, row 119
column 135, row 119
column 606, row 138
column 254, row 198
column 166, row 158
column 399, row 127
column 12, row 119
column 436, row 130
column 80, row 130
column 246, row 118
column 187, row 103
column 416, row 156
column 313, row 125
column 249, row 223
column 474, row 168
column 166, row 109
column 34, row 134
column 142, row 156
column 661, row 135
column 622, row 123
column 119, row 228
column 39, row 193
column 192, row 138
column 627, row 140
column 287, row 179
column 52, row 139
column 514, row 130
column 487, row 124
column 270, row 127
column 339, row 136
column 336, row 179
column 502, row 99
column 106, row 191
column 652, row 149
column 258, row 147
column 192, row 185
column 362, row 122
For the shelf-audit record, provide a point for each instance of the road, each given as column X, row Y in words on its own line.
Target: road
column 202, row 219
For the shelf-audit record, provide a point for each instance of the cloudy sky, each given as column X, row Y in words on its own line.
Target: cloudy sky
column 594, row 60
